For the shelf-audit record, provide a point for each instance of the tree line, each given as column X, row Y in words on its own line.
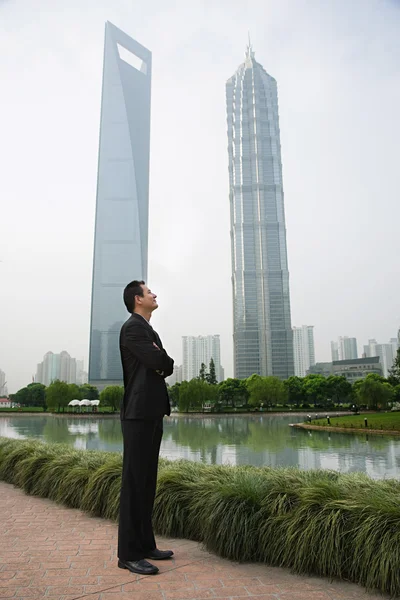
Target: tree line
column 255, row 392
column 58, row 395
column 374, row 392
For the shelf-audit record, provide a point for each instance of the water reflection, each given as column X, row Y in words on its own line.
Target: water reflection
column 257, row 440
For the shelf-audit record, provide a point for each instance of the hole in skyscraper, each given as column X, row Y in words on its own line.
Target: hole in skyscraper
column 134, row 61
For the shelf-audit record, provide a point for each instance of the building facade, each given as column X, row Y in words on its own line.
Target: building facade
column 121, row 226
column 356, row 369
column 262, row 331
column 303, row 349
column 57, row 366
column 197, row 350
column 344, row 349
column 3, row 384
column 322, row 368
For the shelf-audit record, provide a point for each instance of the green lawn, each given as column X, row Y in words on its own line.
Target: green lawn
column 22, row 409
column 388, row 421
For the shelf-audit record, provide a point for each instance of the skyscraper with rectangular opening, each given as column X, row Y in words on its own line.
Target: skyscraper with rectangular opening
column 263, row 341
column 121, row 227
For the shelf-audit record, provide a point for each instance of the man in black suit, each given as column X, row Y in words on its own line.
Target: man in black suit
column 145, row 364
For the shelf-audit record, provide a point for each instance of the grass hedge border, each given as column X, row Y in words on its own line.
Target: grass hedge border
column 344, row 526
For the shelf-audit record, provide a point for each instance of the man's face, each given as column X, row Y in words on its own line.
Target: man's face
column 148, row 301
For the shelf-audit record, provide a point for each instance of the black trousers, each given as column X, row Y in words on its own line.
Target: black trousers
column 142, row 439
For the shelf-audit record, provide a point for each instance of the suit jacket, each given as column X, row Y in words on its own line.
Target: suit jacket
column 145, row 395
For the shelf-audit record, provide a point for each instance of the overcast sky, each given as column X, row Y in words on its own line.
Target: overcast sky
column 337, row 68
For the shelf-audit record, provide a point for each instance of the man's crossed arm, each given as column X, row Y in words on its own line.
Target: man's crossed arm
column 147, row 352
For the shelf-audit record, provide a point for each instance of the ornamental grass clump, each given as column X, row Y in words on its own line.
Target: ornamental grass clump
column 177, row 483
column 344, row 526
column 101, row 496
column 12, row 453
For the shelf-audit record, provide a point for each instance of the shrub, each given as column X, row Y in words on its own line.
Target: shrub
column 321, row 522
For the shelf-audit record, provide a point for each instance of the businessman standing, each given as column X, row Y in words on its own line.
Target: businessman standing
column 145, row 364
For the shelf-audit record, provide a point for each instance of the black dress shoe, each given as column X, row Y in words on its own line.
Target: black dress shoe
column 159, row 554
column 138, row 566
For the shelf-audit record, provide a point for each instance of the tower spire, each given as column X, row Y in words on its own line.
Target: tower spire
column 249, row 49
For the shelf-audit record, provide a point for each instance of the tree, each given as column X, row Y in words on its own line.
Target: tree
column 394, row 373
column 338, row 388
column 195, row 394
column 266, row 390
column 210, row 376
column 184, row 397
column 37, row 394
column 295, row 390
column 89, row 392
column 202, row 374
column 31, row 395
column 74, row 392
column 112, row 396
column 355, row 396
column 21, row 397
column 375, row 393
column 316, row 388
column 57, row 395
column 173, row 393
column 233, row 391
column 396, row 394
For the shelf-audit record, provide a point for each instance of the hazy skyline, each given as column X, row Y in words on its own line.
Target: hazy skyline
column 337, row 69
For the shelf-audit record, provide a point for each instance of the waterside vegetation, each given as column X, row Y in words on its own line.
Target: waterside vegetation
column 380, row 421
column 318, row 522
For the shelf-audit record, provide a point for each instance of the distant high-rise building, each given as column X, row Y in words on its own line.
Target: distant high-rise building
column 387, row 356
column 81, row 374
column 176, row 376
column 395, row 343
column 198, row 350
column 303, row 349
column 348, row 348
column 57, row 366
column 3, row 384
column 335, row 351
column 386, row 352
column 121, row 228
column 371, row 348
column 262, row 331
column 344, row 349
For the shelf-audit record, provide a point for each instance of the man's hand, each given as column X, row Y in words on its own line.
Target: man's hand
column 159, row 372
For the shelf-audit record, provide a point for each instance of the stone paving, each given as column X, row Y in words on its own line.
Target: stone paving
column 56, row 553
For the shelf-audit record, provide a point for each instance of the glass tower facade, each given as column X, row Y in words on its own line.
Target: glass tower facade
column 262, row 332
column 121, row 226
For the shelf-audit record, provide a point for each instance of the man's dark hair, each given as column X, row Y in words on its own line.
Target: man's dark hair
column 134, row 288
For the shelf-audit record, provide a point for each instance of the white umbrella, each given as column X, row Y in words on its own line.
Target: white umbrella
column 74, row 403
column 85, row 403
column 94, row 402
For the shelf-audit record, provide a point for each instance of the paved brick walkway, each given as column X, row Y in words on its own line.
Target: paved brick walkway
column 55, row 553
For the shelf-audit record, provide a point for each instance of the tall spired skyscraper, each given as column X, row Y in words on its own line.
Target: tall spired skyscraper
column 121, row 229
column 262, row 329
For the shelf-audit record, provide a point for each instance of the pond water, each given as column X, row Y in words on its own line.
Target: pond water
column 237, row 440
